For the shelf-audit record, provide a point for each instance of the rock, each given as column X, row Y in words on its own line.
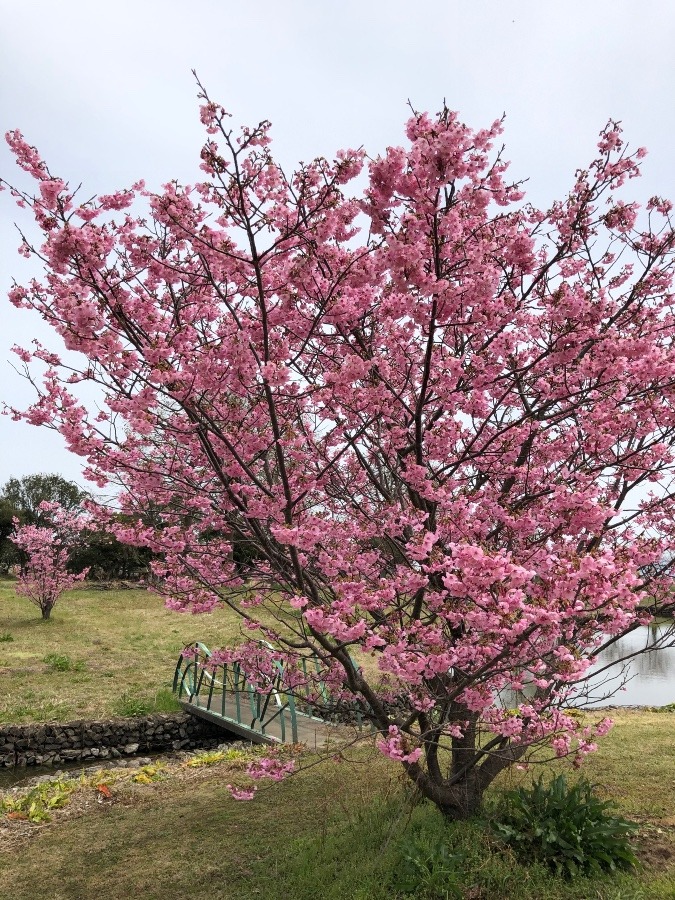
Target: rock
column 131, row 748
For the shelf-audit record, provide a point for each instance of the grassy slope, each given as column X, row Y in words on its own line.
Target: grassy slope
column 325, row 833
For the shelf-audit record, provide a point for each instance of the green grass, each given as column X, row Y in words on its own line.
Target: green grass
column 339, row 830
column 102, row 653
column 61, row 662
column 130, row 705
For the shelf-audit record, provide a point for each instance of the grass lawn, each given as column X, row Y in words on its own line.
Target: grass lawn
column 102, row 653
column 337, row 830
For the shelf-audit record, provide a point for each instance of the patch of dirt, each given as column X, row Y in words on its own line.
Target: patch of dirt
column 655, row 844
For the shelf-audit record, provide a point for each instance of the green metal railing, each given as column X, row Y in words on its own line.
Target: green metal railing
column 225, row 692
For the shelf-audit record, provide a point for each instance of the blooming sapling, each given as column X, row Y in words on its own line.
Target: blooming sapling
column 44, row 576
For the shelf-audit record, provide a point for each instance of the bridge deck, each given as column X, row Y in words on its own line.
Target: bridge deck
column 313, row 732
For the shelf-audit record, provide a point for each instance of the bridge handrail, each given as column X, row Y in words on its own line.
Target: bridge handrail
column 194, row 677
column 193, row 674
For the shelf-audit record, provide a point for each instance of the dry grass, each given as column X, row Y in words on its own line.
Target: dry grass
column 102, row 653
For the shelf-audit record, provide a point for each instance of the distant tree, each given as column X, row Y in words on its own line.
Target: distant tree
column 21, row 498
column 25, row 496
column 9, row 552
column 108, row 559
column 45, row 576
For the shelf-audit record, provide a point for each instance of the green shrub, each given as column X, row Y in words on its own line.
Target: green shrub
column 568, row 829
column 6, row 637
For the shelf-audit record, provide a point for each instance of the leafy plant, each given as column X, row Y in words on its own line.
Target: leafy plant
column 6, row 637
column 428, row 868
column 148, row 774
column 210, row 757
column 567, row 828
column 206, row 758
column 37, row 803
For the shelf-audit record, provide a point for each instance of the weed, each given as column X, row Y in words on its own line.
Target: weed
column 61, row 662
column 6, row 637
column 128, row 705
column 234, row 755
column 206, row 758
column 134, row 705
column 148, row 774
column 211, row 757
column 427, row 868
column 568, row 829
column 37, row 803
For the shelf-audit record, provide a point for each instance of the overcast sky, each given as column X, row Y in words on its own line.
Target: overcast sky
column 105, row 92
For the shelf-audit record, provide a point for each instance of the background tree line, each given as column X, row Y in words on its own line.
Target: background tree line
column 106, row 557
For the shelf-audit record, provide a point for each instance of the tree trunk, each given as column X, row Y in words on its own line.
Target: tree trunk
column 464, row 799
column 458, row 794
column 460, row 800
column 46, row 612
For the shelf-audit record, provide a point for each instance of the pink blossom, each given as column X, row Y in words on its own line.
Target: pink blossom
column 396, row 747
column 50, row 191
column 242, row 793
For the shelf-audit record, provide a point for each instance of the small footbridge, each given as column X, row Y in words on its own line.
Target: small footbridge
column 222, row 694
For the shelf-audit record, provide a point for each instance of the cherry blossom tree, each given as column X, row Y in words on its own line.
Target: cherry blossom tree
column 441, row 421
column 44, row 577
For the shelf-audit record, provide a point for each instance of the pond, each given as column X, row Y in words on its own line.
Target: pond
column 645, row 680
column 648, row 679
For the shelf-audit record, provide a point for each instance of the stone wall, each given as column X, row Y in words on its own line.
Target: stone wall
column 56, row 743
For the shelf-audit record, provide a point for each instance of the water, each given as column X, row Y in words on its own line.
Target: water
column 649, row 678
column 644, row 680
